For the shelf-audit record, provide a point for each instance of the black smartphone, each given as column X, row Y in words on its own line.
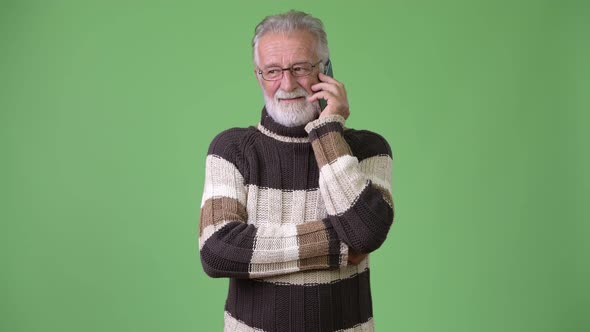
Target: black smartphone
column 327, row 71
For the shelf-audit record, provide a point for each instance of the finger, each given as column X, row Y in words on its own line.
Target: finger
column 326, row 87
column 329, row 79
column 340, row 89
column 320, row 95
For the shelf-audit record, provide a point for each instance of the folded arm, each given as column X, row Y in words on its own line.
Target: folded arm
column 231, row 247
column 357, row 194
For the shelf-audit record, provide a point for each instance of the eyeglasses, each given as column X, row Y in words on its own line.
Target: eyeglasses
column 297, row 70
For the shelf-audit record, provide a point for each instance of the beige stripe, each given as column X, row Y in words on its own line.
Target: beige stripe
column 222, row 178
column 329, row 147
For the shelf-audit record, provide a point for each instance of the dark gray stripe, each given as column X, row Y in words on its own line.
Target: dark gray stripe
column 324, row 307
column 334, row 248
column 266, row 162
column 228, row 252
column 364, row 226
column 281, row 165
column 366, row 144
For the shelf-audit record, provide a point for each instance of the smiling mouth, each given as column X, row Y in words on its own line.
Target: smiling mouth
column 290, row 100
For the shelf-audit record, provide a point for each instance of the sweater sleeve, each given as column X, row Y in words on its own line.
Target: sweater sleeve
column 357, row 194
column 231, row 247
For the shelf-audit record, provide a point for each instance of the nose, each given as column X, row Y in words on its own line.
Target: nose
column 288, row 81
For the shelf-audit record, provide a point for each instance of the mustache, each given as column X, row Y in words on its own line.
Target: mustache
column 282, row 94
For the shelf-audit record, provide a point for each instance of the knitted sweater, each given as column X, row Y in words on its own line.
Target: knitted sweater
column 281, row 208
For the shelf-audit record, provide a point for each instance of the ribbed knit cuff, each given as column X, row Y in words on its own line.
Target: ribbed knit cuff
column 315, row 124
column 327, row 140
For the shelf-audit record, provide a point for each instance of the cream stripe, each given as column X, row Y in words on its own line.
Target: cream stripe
column 222, row 178
column 275, row 206
column 285, row 256
column 231, row 324
column 265, row 270
column 378, row 170
column 275, row 243
column 315, row 277
column 341, row 183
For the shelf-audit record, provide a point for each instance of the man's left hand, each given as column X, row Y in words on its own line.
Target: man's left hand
column 335, row 95
column 355, row 258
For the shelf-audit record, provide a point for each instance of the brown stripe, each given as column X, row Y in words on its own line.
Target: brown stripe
column 329, row 147
column 217, row 210
column 324, row 129
column 313, row 239
column 319, row 262
column 311, row 227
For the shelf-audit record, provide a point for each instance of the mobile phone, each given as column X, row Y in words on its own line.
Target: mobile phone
column 327, row 71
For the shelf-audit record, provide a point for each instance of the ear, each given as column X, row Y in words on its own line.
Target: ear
column 258, row 77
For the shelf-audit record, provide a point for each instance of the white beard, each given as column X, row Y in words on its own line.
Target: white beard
column 294, row 113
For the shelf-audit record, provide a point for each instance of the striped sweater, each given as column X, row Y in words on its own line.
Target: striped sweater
column 281, row 208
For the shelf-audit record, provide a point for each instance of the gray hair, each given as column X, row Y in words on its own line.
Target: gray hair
column 293, row 21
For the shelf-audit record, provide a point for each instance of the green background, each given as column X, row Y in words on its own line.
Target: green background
column 107, row 109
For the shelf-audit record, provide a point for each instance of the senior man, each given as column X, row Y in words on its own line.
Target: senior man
column 291, row 207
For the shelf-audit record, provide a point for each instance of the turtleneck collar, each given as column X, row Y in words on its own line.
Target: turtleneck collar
column 270, row 127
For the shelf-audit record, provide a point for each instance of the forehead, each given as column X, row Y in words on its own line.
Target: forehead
column 284, row 49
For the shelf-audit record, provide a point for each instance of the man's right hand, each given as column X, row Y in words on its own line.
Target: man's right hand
column 355, row 258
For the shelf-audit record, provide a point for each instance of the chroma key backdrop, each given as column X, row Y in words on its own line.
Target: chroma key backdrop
column 107, row 109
